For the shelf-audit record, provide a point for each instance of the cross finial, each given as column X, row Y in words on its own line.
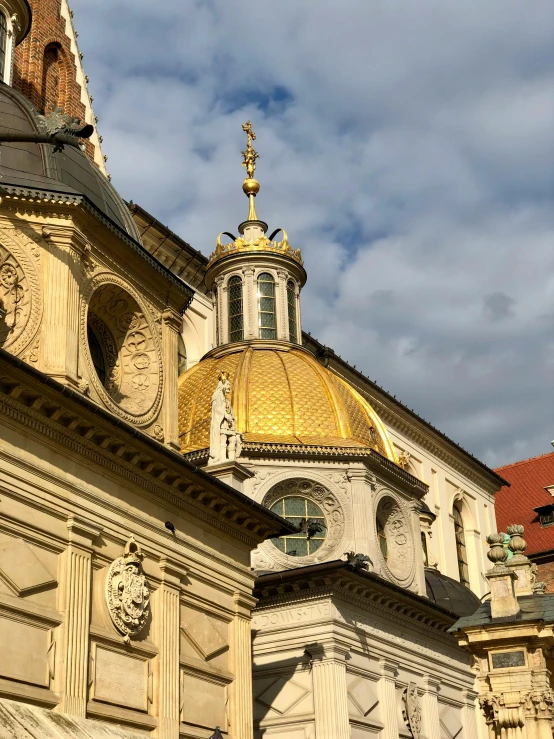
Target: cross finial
column 249, row 154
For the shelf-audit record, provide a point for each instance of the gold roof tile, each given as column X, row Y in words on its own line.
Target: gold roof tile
column 280, row 395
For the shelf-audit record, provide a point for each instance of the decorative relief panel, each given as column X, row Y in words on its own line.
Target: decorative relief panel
column 20, row 295
column 394, row 534
column 122, row 350
column 120, row 679
column 325, row 505
column 127, row 592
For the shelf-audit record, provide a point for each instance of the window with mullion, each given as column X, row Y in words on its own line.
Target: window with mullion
column 461, row 550
column 3, row 44
column 291, row 304
column 267, row 324
column 236, row 319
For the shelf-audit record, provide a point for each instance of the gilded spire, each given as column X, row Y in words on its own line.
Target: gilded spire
column 250, row 186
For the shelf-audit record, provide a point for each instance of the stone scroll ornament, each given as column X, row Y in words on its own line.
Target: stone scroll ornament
column 127, row 592
column 412, row 710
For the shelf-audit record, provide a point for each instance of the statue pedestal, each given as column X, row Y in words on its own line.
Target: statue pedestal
column 230, row 472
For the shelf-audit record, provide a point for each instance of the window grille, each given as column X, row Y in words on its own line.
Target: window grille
column 291, row 303
column 236, row 324
column 266, row 307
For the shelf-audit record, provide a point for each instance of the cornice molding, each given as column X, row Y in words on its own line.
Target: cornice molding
column 37, row 404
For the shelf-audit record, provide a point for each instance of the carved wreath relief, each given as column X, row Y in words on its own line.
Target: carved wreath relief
column 127, row 592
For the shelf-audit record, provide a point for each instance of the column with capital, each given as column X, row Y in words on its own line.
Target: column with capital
column 329, row 690
column 469, row 718
column 249, row 306
column 171, row 328
column 166, row 621
column 387, row 698
column 362, row 486
column 240, row 646
column 60, row 333
column 281, row 307
column 75, row 594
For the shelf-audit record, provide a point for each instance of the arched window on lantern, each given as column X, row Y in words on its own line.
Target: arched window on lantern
column 236, row 318
column 3, row 47
column 291, row 304
column 461, row 550
column 267, row 324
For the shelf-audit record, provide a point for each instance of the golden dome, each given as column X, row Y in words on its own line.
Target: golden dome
column 280, row 394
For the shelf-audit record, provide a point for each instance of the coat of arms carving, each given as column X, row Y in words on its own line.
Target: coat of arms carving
column 412, row 710
column 127, row 592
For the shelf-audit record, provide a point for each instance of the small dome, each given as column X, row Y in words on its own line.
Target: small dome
column 33, row 166
column 280, row 395
column 450, row 594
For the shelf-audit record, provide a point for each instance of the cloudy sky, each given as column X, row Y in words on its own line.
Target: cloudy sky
column 407, row 148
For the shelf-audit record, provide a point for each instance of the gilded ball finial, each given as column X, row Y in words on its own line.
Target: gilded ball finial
column 251, row 186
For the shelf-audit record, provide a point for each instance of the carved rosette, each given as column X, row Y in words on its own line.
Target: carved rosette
column 127, row 592
column 328, row 498
column 394, row 523
column 20, row 293
column 129, row 342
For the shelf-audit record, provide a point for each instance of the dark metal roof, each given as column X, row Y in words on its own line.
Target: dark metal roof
column 449, row 593
column 532, row 608
column 37, row 166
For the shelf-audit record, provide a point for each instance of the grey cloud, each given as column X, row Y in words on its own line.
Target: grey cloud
column 413, row 160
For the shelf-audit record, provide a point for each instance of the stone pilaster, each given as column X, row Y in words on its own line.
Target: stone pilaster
column 166, row 617
column 281, row 306
column 240, row 643
column 430, row 708
column 75, row 594
column 60, row 331
column 249, row 304
column 329, row 691
column 469, row 718
column 223, row 293
column 419, row 580
column 362, row 484
column 219, row 335
column 171, row 328
column 387, row 699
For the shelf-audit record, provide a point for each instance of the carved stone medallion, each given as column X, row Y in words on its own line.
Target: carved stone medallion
column 393, row 524
column 127, row 592
column 122, row 350
column 412, row 710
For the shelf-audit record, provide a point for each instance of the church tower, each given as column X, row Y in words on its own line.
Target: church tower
column 47, row 64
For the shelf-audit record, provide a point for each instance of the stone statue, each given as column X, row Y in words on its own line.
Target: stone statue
column 225, row 440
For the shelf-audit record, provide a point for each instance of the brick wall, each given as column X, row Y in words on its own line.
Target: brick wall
column 44, row 66
column 546, row 574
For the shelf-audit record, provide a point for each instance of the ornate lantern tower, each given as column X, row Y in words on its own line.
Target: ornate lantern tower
column 256, row 280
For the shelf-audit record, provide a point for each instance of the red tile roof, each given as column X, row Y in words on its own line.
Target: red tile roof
column 515, row 504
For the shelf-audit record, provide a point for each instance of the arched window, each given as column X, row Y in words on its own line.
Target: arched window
column 3, row 46
column 291, row 303
column 53, row 78
column 236, row 324
column 266, row 307
column 461, row 550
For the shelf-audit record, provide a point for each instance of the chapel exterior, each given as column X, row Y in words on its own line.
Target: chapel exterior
column 207, row 518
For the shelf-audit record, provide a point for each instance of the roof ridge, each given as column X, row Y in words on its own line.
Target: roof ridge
column 524, row 461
